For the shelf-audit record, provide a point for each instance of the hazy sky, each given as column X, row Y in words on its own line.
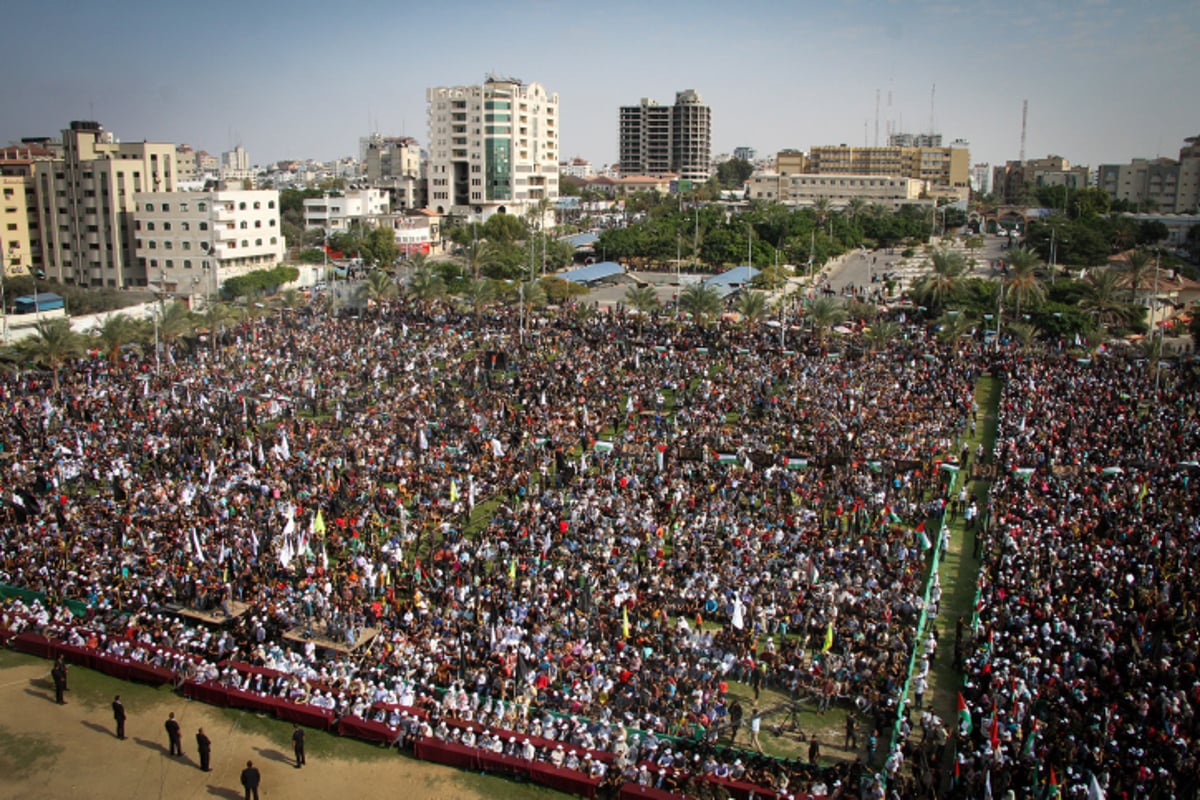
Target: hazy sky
column 1105, row 81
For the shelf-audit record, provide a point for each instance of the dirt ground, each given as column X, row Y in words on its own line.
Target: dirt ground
column 71, row 751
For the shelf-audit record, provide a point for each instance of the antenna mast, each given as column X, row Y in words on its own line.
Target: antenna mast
column 877, row 118
column 1024, row 117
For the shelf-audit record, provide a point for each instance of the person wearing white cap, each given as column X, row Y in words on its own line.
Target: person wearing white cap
column 557, row 755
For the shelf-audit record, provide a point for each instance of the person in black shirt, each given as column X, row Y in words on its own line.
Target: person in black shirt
column 119, row 716
column 174, row 735
column 204, row 748
column 250, row 780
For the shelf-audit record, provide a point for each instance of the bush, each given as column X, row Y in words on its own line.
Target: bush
column 261, row 280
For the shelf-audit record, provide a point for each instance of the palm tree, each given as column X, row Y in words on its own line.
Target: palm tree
column 825, row 312
column 114, row 332
column 859, row 311
column 1023, row 333
column 1139, row 271
column 534, row 295
column 216, row 315
column 701, row 301
column 1022, row 283
column 952, row 326
column 642, row 298
column 176, row 321
column 380, row 287
column 752, row 306
column 881, row 333
column 425, row 286
column 1103, row 298
column 948, row 270
column 52, row 345
column 478, row 294
column 478, row 254
column 855, row 207
column 291, row 299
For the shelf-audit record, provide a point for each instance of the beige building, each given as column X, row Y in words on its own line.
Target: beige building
column 188, row 243
column 1170, row 186
column 14, row 222
column 945, row 170
column 20, row 197
column 791, row 162
column 838, row 190
column 493, row 148
column 656, row 139
column 393, row 163
column 1016, row 178
column 85, row 204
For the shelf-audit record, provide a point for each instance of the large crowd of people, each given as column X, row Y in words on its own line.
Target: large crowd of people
column 606, row 519
column 1083, row 674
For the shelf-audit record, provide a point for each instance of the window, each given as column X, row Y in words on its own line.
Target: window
column 166, row 206
column 244, row 225
column 153, row 244
column 149, row 206
column 166, row 226
column 270, row 204
column 170, row 264
column 241, row 206
column 186, row 226
column 168, row 244
column 258, row 242
column 258, row 223
column 257, row 205
column 201, row 207
column 149, row 226
column 187, row 264
column 245, row 242
column 187, row 245
column 203, row 226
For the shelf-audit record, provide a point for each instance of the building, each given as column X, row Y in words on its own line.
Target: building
column 21, row 246
column 745, row 153
column 236, row 169
column 493, row 148
column 336, row 213
column 656, row 139
column 806, row 189
column 791, row 162
column 1167, row 185
column 915, row 140
column 981, row 179
column 1017, row 178
column 393, row 164
column 944, row 170
column 189, row 243
column 86, row 202
column 577, row 168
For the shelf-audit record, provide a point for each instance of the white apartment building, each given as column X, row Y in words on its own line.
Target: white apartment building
column 188, row 243
column 839, row 190
column 85, row 204
column 493, row 148
column 337, row 213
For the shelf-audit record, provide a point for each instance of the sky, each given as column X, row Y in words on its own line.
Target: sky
column 1105, row 81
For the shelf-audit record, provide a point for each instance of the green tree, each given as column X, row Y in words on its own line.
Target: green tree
column 1141, row 267
column 948, row 270
column 52, row 345
column 1104, row 298
column 1022, row 284
column 379, row 248
column 380, row 287
column 752, row 306
column 504, row 228
column 825, row 313
column 881, row 334
column 733, row 173
column 425, row 286
column 478, row 295
column 702, row 302
column 642, row 298
column 114, row 332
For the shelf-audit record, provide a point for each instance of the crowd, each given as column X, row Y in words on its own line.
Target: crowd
column 1083, row 675
column 653, row 511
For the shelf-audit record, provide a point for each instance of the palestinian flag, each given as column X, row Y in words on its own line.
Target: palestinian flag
column 727, row 458
column 964, row 716
column 796, row 463
column 602, row 447
column 1053, row 784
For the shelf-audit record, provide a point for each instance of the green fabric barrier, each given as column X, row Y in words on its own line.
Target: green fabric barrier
column 76, row 607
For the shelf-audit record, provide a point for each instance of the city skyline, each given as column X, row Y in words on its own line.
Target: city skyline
column 1105, row 81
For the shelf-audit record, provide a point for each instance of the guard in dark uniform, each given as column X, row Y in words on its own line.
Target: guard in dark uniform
column 298, row 745
column 174, row 735
column 204, row 748
column 119, row 716
column 250, row 779
column 58, row 674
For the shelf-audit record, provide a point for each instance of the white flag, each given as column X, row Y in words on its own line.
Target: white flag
column 738, row 610
column 497, row 448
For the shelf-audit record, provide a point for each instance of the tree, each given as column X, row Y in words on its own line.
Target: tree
column 478, row 295
column 378, row 248
column 642, row 298
column 114, row 332
column 1103, row 298
column 1022, row 283
column 477, row 253
column 701, row 301
column 948, row 269
column 752, row 306
column 52, row 345
column 825, row 312
column 380, row 287
column 881, row 334
column 733, row 173
column 176, row 321
column 1139, row 271
column 425, row 286
column 504, row 228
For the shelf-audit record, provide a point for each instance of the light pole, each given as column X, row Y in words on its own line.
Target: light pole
column 3, row 305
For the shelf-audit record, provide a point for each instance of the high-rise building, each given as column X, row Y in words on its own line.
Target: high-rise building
column 655, row 139
column 1014, row 181
column 22, row 238
column 981, row 178
column 1168, row 185
column 188, row 243
column 393, row 163
column 945, row 170
column 85, row 204
column 493, row 148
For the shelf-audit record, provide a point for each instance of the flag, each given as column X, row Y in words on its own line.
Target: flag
column 625, row 621
column 796, row 463
column 318, row 524
column 964, row 716
column 995, row 732
column 512, row 569
column 1095, row 791
column 726, row 458
column 602, row 446
column 1053, row 783
column 453, row 491
column 738, row 621
column 1027, row 750
column 828, row 637
column 987, row 785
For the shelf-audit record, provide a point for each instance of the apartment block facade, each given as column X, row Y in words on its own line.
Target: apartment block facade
column 1015, row 178
column 656, row 139
column 393, row 163
column 493, row 148
column 806, row 189
column 1171, row 186
column 945, row 170
column 336, row 213
column 188, row 243
column 85, row 204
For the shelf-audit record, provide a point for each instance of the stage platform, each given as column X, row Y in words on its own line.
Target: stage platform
column 213, row 616
column 297, row 636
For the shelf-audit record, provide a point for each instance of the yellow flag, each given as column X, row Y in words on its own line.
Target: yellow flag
column 453, row 491
column 512, row 570
column 319, row 522
column 828, row 638
column 625, row 621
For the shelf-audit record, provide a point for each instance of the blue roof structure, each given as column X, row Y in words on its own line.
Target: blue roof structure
column 582, row 240
column 593, row 273
column 732, row 280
